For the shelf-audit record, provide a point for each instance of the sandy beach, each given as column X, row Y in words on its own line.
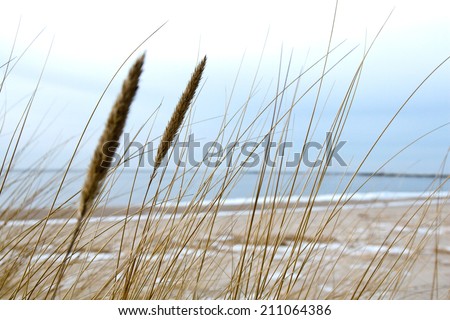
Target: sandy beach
column 367, row 249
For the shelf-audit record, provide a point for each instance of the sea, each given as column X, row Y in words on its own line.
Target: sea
column 125, row 187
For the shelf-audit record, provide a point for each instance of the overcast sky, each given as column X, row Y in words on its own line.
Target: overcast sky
column 88, row 40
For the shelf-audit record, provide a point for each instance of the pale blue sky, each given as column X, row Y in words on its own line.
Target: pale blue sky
column 91, row 39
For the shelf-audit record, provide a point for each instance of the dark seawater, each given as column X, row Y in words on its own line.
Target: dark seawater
column 23, row 184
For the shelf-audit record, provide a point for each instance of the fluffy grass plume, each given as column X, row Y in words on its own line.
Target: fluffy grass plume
column 171, row 130
column 100, row 162
column 177, row 118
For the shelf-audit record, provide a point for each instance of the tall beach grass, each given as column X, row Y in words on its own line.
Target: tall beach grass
column 185, row 241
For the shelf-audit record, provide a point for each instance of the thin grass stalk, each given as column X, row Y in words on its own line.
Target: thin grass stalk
column 167, row 138
column 101, row 161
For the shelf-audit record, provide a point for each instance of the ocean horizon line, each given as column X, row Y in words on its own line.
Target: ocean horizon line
column 284, row 172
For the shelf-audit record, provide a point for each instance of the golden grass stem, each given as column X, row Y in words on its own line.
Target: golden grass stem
column 171, row 130
column 179, row 113
column 101, row 161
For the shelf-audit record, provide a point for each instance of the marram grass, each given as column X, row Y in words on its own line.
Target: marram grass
column 279, row 247
column 179, row 113
column 106, row 148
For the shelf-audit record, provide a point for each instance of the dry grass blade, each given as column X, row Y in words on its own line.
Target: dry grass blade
column 101, row 162
column 167, row 138
column 178, row 115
